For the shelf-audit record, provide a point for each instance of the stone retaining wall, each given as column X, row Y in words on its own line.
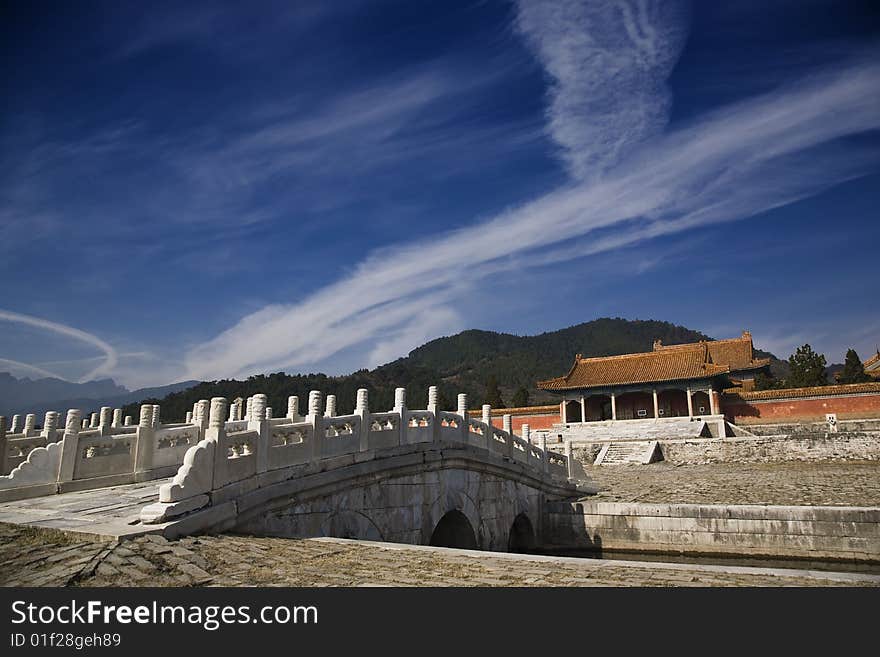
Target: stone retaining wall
column 802, row 532
column 770, row 449
column 860, row 446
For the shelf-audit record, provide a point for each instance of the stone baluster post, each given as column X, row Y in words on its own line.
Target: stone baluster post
column 194, row 412
column 314, row 417
column 50, row 427
column 127, row 421
column 70, row 444
column 260, row 424
column 434, row 410
column 4, row 450
column 269, row 415
column 248, row 406
column 156, row 422
column 362, row 410
column 215, row 432
column 487, row 420
column 293, row 408
column 526, row 433
column 30, row 422
column 93, row 423
column 85, row 423
column 330, row 409
column 203, row 410
column 105, row 419
column 400, row 407
column 463, row 412
column 232, row 410
column 188, row 417
column 16, row 424
column 117, row 418
column 568, row 458
column 542, row 443
column 145, row 440
column 507, row 426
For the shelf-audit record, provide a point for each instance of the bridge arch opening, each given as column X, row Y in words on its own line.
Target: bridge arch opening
column 522, row 535
column 454, row 530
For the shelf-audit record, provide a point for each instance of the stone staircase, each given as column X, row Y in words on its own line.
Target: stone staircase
column 650, row 429
column 639, row 452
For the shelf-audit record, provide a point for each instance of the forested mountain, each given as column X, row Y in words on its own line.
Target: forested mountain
column 40, row 395
column 460, row 363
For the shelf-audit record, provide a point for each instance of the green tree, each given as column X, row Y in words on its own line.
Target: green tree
column 520, row 397
column 853, row 370
column 766, row 381
column 493, row 394
column 807, row 368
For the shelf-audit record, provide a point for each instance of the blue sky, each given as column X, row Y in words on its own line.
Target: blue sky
column 208, row 190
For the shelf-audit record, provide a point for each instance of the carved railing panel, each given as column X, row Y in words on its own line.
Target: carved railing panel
column 450, row 426
column 499, row 442
column 557, row 464
column 171, row 444
column 341, row 435
column 419, row 427
column 237, row 457
column 478, row 434
column 290, row 444
column 384, row 430
column 17, row 450
column 101, row 456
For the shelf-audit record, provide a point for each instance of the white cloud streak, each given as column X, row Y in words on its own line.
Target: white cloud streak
column 735, row 163
column 16, row 365
column 608, row 62
column 110, row 356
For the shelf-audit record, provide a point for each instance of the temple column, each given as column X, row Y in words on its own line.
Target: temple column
column 613, row 407
column 690, row 403
column 583, row 410
column 656, row 405
column 713, row 408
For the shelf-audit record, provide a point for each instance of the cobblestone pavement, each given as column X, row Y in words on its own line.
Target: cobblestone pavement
column 39, row 557
column 852, row 483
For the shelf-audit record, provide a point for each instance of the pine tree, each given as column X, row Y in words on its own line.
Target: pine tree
column 520, row 397
column 493, row 394
column 853, row 370
column 807, row 368
column 766, row 382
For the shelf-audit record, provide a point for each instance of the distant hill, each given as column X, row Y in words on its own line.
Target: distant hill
column 50, row 394
column 458, row 363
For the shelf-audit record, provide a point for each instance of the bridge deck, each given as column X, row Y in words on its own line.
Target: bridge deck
column 103, row 513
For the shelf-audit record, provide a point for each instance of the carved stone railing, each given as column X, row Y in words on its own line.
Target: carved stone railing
column 220, row 444
column 230, row 453
column 92, row 453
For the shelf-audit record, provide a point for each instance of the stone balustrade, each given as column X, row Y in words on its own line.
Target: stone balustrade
column 90, row 453
column 243, row 439
column 234, row 451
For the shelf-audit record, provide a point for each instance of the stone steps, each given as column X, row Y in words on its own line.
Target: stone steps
column 625, row 453
column 651, row 429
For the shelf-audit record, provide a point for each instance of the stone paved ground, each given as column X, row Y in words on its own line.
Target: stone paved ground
column 852, row 483
column 39, row 557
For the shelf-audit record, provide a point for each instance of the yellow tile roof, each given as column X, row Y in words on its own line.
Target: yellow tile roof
column 695, row 360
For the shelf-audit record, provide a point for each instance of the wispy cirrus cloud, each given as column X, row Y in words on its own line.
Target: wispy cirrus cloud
column 736, row 162
column 608, row 62
column 105, row 368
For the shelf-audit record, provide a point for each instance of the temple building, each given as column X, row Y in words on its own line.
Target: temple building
column 684, row 380
column 872, row 366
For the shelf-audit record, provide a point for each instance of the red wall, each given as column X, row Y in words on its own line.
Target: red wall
column 782, row 410
column 534, row 422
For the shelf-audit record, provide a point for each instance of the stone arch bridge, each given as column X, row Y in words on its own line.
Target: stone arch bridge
column 411, row 476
